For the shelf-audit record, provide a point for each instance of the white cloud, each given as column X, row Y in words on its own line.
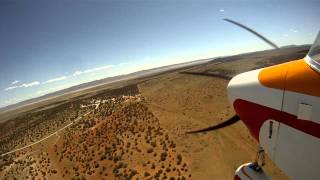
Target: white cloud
column 34, row 83
column 55, row 79
column 221, row 10
column 92, row 70
column 30, row 84
column 15, row 82
column 10, row 88
column 25, row 85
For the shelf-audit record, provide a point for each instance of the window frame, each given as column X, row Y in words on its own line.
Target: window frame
column 308, row 59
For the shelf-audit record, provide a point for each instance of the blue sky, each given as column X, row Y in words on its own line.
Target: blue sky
column 47, row 46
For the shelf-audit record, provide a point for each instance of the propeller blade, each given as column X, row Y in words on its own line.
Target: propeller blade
column 226, row 123
column 253, row 32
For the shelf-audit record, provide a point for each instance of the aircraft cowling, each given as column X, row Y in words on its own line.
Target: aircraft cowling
column 253, row 100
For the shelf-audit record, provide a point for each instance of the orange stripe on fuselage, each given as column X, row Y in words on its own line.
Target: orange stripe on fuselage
column 296, row 76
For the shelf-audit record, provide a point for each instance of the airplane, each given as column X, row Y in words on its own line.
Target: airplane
column 280, row 106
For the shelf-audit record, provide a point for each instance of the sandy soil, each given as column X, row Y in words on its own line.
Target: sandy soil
column 183, row 103
column 137, row 128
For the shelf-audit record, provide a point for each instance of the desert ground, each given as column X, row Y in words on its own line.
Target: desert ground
column 136, row 129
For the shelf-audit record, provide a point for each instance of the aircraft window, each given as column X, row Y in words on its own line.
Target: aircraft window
column 314, row 52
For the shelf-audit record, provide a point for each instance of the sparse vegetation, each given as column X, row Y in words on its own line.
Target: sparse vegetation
column 100, row 144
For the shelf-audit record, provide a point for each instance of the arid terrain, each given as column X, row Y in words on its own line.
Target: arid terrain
column 136, row 129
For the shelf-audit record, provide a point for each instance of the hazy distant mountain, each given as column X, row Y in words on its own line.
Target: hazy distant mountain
column 104, row 81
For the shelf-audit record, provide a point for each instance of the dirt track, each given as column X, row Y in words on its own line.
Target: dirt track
column 139, row 129
column 45, row 138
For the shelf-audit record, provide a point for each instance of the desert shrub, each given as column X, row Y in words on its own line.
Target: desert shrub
column 179, row 159
column 150, row 150
column 163, row 156
column 168, row 169
column 146, row 174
